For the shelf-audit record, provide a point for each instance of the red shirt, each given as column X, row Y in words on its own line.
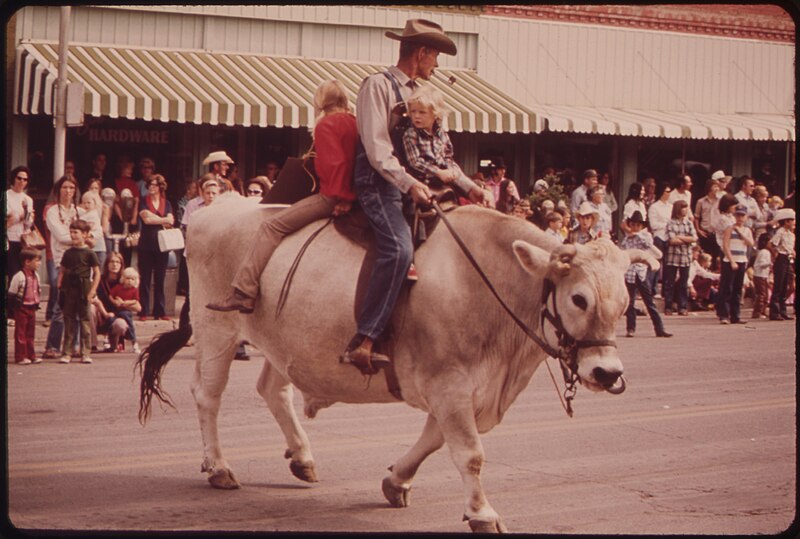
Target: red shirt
column 127, row 183
column 335, row 138
column 126, row 294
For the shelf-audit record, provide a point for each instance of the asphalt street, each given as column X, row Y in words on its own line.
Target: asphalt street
column 702, row 442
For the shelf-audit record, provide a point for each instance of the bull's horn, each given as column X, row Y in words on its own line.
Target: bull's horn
column 637, row 255
column 617, row 388
column 561, row 258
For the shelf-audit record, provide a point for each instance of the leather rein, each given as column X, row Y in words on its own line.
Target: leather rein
column 568, row 346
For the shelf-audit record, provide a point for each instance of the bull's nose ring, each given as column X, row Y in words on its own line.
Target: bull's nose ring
column 619, row 387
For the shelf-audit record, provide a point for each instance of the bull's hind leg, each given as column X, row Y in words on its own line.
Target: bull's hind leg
column 210, row 377
column 278, row 393
column 458, row 426
column 397, row 486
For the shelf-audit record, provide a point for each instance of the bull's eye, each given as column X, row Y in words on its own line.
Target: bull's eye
column 580, row 302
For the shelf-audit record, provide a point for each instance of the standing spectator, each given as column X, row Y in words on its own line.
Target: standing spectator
column 649, row 192
column 24, row 291
column 19, row 215
column 683, row 191
column 156, row 213
column 271, row 170
column 723, row 218
column 603, row 225
column 77, row 287
column 58, row 218
column 762, row 267
column 584, row 232
column 634, row 202
column 233, row 177
column 702, row 220
column 91, row 212
column 99, row 162
column 189, row 192
column 723, row 179
column 680, row 237
column 147, row 168
column 784, row 244
column 218, row 164
column 496, row 176
column 509, row 196
column 609, row 198
column 736, row 239
column 52, row 271
column 761, row 223
column 257, row 187
column 580, row 194
column 636, row 237
column 69, row 170
column 107, row 195
column 658, row 215
column 745, row 197
column 127, row 197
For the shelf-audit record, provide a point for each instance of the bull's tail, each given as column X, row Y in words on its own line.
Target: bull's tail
column 152, row 361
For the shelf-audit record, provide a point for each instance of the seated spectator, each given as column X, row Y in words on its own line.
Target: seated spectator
column 703, row 283
column 110, row 317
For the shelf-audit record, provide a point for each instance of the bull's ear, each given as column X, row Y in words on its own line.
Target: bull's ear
column 534, row 259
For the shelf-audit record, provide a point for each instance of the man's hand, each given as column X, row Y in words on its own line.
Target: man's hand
column 478, row 196
column 420, row 193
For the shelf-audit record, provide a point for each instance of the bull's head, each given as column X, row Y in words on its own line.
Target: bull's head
column 588, row 298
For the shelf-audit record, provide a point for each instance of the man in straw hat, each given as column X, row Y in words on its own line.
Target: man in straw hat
column 218, row 164
column 380, row 180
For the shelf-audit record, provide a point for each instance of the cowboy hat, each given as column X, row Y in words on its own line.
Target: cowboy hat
column 720, row 175
column 425, row 33
column 784, row 213
column 586, row 208
column 214, row 157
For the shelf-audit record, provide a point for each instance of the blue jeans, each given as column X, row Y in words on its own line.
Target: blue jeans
column 643, row 287
column 381, row 202
column 677, row 291
column 52, row 278
column 730, row 291
column 652, row 276
column 56, row 330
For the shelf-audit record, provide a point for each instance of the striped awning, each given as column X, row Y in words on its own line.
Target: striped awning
column 232, row 89
column 646, row 123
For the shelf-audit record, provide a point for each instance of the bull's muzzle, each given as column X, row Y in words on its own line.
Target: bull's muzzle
column 611, row 381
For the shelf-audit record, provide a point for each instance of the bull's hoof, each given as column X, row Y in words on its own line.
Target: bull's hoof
column 396, row 496
column 304, row 472
column 487, row 526
column 223, row 479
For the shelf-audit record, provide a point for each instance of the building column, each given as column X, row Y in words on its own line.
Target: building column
column 19, row 141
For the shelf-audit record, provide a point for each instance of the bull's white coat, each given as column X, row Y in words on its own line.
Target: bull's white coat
column 458, row 356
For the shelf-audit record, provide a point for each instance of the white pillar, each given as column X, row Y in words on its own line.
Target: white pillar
column 60, row 116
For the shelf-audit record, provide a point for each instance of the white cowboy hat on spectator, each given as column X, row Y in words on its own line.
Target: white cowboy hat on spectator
column 720, row 175
column 425, row 33
column 214, row 157
column 586, row 208
column 540, row 185
column 784, row 213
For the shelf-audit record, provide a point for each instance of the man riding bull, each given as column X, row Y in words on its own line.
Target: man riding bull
column 380, row 180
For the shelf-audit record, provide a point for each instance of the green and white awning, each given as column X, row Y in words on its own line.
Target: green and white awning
column 233, row 89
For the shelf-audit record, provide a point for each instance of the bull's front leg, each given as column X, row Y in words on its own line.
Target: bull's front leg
column 397, row 486
column 457, row 421
column 277, row 392
column 209, row 381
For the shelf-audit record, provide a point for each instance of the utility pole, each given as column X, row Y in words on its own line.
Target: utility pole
column 60, row 117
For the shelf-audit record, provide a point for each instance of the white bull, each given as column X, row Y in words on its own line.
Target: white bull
column 458, row 355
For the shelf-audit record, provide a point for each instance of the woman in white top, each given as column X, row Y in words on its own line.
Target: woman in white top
column 19, row 216
column 634, row 202
column 658, row 215
column 57, row 219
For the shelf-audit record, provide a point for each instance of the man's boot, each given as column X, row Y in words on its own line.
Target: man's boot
column 236, row 301
column 364, row 359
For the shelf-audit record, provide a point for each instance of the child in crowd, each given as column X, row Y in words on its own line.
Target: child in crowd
column 78, row 279
column 678, row 258
column 784, row 243
column 774, row 204
column 555, row 222
column 762, row 266
column 566, row 217
column 637, row 237
column 587, row 217
column 24, row 293
column 125, row 296
column 735, row 241
column 703, row 283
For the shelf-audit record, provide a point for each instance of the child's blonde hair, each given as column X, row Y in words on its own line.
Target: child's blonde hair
column 704, row 258
column 777, row 201
column 428, row 96
column 330, row 94
column 131, row 272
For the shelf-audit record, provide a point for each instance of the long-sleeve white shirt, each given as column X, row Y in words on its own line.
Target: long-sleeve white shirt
column 658, row 216
column 58, row 224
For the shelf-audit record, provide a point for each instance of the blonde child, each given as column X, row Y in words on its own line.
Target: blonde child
column 784, row 243
column 555, row 222
column 125, row 296
column 78, row 279
column 702, row 280
column 25, row 294
column 428, row 150
column 91, row 211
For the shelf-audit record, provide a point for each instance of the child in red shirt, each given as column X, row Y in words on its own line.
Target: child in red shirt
column 25, row 293
column 125, row 296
